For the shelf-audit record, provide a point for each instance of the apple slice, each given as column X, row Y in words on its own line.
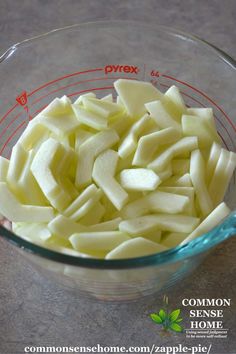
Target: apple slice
column 161, row 116
column 94, row 215
column 212, row 161
column 134, row 94
column 137, row 247
column 39, row 232
column 193, row 125
column 129, row 143
column 63, row 227
column 184, row 145
column 157, row 201
column 222, row 175
column 103, row 174
column 198, row 177
column 89, row 150
column 149, row 144
column 139, row 179
column 180, row 166
column 174, row 102
column 97, row 241
column 79, row 100
column 213, row 219
column 90, row 119
column 173, row 239
column 178, row 181
column 102, row 108
column 12, row 209
column 164, row 222
column 107, row 98
column 188, row 192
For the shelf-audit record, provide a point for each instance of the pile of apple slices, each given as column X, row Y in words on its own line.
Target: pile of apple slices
column 104, row 179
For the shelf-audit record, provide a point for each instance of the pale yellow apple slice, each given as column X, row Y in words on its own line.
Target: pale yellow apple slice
column 188, row 192
column 149, row 144
column 206, row 115
column 89, row 118
column 97, row 241
column 83, row 203
column 134, row 94
column 129, row 143
column 63, row 227
column 89, row 150
column 81, row 135
column 137, row 247
column 173, row 239
column 103, row 174
column 43, row 167
column 161, row 116
column 29, row 230
column 222, row 175
column 12, row 209
column 186, row 144
column 193, row 125
column 174, row 102
column 178, row 181
column 34, row 134
column 198, row 177
column 180, row 166
column 158, row 201
column 139, row 179
column 101, row 108
column 213, row 219
column 212, row 161
column 107, row 98
column 94, row 215
column 164, row 222
column 79, row 100
column 121, row 123
column 110, row 225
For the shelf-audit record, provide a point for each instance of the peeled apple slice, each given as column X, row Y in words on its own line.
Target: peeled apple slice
column 79, row 100
column 180, row 166
column 222, row 176
column 175, row 101
column 206, row 115
column 212, row 161
column 161, row 116
column 43, row 168
column 164, row 222
column 193, row 125
column 97, row 241
column 137, row 247
column 89, row 150
column 129, row 143
column 103, row 108
column 197, row 174
column 173, row 239
column 63, row 227
column 148, row 145
column 34, row 135
column 213, row 219
column 183, row 145
column 90, row 119
column 107, row 98
column 13, row 210
column 188, row 192
column 94, row 215
column 29, row 230
column 103, row 174
column 134, row 94
column 156, row 202
column 178, row 181
column 139, row 179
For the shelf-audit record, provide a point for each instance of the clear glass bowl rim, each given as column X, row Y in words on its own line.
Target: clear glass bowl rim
column 204, row 243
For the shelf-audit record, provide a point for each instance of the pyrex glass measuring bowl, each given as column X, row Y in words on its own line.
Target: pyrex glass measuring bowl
column 90, row 57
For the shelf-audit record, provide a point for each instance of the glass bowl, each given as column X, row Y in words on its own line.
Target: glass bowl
column 90, row 57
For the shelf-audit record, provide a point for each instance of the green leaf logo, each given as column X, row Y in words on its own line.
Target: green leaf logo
column 169, row 320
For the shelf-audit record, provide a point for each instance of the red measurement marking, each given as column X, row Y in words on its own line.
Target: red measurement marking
column 11, row 136
column 22, row 98
column 155, row 73
column 128, row 69
column 62, row 78
column 204, row 95
column 94, row 89
column 8, row 112
column 77, row 83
